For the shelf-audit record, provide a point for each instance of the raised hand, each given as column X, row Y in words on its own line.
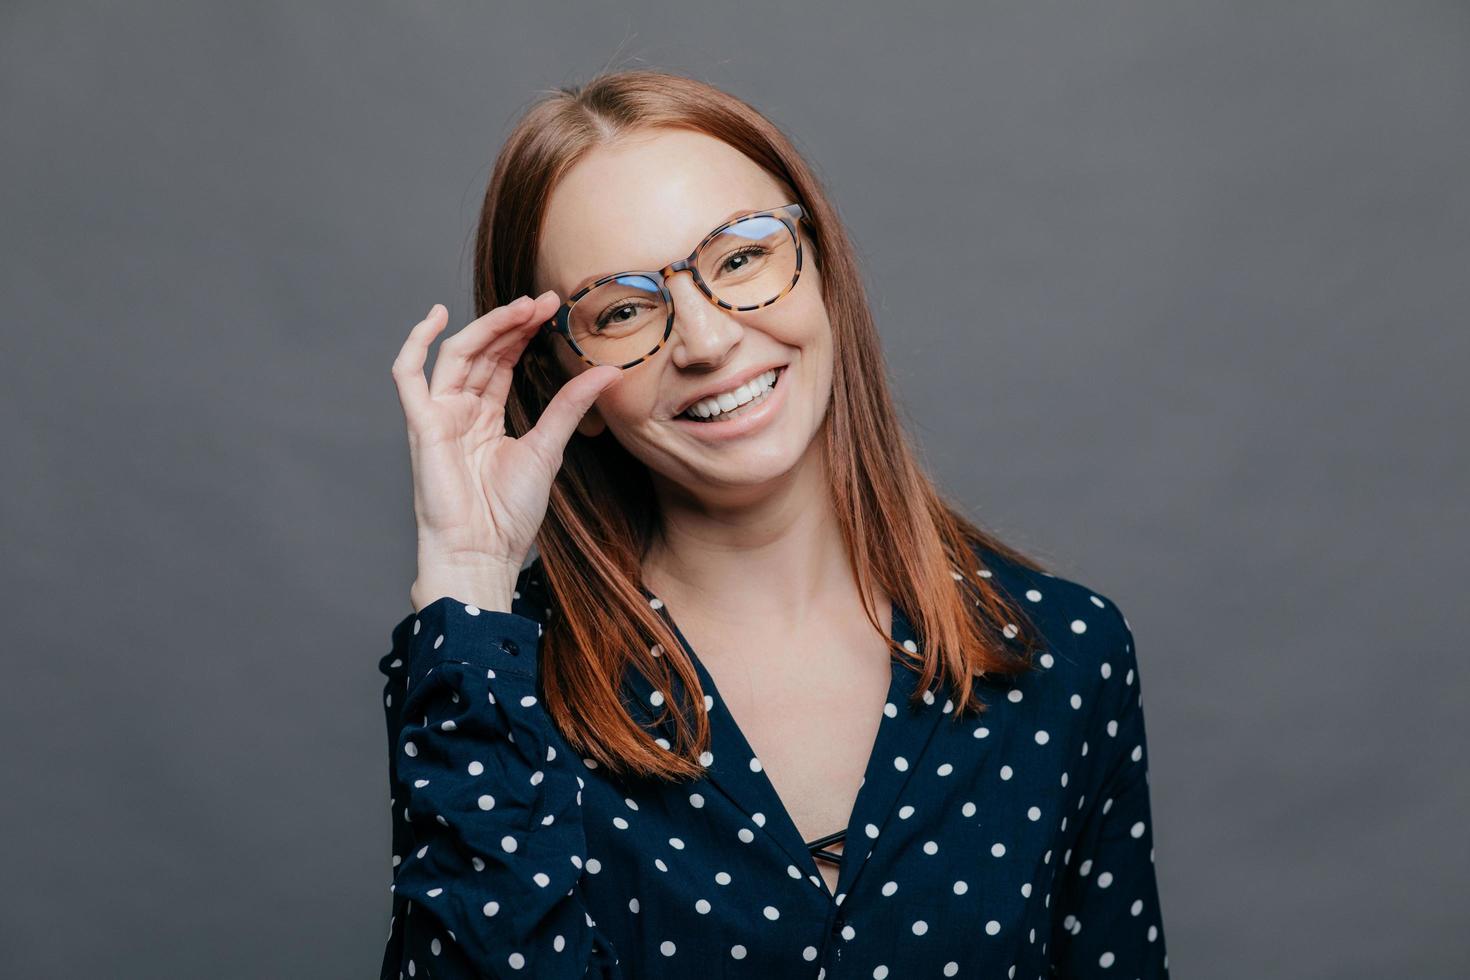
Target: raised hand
column 480, row 495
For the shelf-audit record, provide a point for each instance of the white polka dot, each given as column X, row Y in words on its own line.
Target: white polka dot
column 737, row 951
column 491, row 908
column 1034, row 813
column 1105, row 960
column 809, row 954
column 771, row 912
column 1033, row 595
column 899, row 763
column 509, row 843
column 961, row 887
column 998, row 849
column 1136, row 830
column 1105, row 879
column 992, row 927
column 1042, row 737
column 1136, row 907
column 476, row 768
column 1106, row 669
column 981, row 732
column 951, row 968
column 880, row 972
column 1078, row 626
column 516, row 961
column 1075, row 701
column 487, row 802
column 889, row 887
column 755, row 764
column 1006, row 772
column 1014, row 696
column 666, row 947
column 920, row 927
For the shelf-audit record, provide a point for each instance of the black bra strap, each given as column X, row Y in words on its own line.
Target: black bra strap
column 816, row 847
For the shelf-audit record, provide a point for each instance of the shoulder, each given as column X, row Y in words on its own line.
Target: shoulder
column 1085, row 636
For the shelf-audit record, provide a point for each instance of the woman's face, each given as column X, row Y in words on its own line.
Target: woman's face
column 641, row 204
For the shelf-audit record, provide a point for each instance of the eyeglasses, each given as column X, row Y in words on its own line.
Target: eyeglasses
column 746, row 263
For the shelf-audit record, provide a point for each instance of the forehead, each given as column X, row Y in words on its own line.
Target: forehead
column 643, row 202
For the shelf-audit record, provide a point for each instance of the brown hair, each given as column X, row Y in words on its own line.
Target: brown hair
column 602, row 513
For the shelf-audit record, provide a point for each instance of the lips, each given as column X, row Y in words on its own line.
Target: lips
column 729, row 384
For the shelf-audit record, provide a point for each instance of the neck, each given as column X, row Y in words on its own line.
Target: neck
column 734, row 556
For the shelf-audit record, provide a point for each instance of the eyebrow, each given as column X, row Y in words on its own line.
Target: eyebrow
column 588, row 280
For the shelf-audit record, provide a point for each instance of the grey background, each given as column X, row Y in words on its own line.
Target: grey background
column 1173, row 294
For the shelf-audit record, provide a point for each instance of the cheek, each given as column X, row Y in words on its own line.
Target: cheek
column 629, row 402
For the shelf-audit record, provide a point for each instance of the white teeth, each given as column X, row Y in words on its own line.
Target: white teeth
column 727, row 401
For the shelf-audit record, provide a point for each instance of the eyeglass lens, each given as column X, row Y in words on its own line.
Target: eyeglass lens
column 746, row 264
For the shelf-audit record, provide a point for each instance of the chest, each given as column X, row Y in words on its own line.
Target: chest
column 810, row 712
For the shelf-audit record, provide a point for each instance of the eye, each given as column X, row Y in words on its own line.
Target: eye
column 747, row 253
column 616, row 314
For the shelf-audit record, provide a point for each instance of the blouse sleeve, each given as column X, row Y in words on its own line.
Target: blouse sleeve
column 488, row 843
column 1107, row 921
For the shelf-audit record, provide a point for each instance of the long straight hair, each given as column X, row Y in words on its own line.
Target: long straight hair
column 602, row 513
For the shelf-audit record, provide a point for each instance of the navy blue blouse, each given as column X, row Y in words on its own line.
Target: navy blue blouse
column 1017, row 843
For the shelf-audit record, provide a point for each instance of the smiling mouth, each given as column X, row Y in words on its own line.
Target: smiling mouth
column 688, row 414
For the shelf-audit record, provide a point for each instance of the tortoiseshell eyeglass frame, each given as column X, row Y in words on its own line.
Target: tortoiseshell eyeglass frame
column 789, row 215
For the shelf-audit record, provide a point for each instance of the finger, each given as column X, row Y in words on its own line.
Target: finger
column 549, row 436
column 505, row 351
column 457, row 353
column 480, row 370
column 408, row 366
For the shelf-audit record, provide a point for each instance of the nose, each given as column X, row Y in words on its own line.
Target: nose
column 703, row 332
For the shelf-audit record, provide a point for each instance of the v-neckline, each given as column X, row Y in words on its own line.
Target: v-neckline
column 902, row 735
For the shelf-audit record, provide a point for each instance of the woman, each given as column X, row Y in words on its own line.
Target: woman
column 901, row 748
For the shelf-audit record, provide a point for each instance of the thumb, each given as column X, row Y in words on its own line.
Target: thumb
column 549, row 436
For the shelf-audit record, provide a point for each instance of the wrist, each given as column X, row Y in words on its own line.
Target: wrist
column 488, row 587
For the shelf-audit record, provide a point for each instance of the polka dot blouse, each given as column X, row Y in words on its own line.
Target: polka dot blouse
column 1013, row 844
